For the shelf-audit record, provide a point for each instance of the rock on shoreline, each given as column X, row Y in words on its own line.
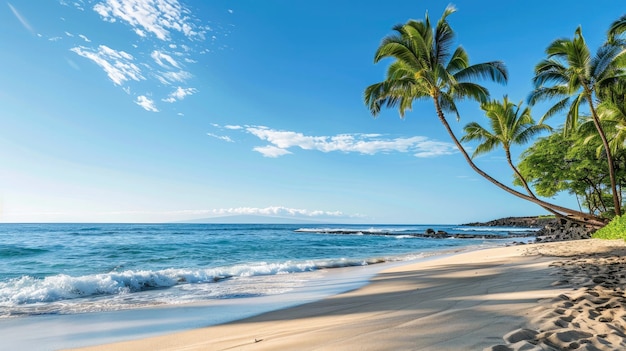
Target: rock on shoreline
column 530, row 222
column 552, row 229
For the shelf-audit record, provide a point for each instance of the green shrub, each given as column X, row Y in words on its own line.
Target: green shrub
column 616, row 229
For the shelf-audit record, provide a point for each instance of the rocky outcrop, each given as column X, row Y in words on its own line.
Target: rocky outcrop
column 528, row 222
column 562, row 229
column 553, row 229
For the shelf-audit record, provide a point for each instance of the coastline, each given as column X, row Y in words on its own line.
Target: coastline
column 47, row 331
column 472, row 300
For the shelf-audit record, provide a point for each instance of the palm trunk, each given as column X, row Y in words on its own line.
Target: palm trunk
column 518, row 174
column 590, row 219
column 525, row 184
column 609, row 157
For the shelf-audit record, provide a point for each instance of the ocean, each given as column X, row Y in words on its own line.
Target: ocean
column 77, row 268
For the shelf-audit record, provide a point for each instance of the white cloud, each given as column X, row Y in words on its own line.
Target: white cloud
column 160, row 57
column 118, row 65
column 269, row 211
column 271, row 151
column 221, row 137
column 179, row 94
column 179, row 76
column 22, row 19
column 134, row 216
column 157, row 62
column 157, row 17
column 146, row 103
column 432, row 148
column 369, row 144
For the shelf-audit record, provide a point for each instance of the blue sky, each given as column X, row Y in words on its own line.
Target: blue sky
column 165, row 110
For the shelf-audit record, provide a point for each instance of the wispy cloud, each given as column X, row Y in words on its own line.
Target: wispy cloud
column 266, row 211
column 221, row 137
column 281, row 141
column 156, row 17
column 146, row 103
column 22, row 19
column 233, row 127
column 271, row 151
column 179, row 94
column 168, row 37
column 142, row 215
column 118, row 65
column 164, row 60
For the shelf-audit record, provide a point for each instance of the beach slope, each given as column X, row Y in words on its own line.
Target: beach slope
column 467, row 301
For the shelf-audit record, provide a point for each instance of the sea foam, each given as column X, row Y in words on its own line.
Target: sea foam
column 31, row 290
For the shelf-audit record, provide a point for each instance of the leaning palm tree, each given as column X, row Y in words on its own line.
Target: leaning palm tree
column 572, row 74
column 510, row 125
column 425, row 67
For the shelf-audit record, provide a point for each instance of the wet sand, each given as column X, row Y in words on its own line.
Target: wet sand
column 527, row 297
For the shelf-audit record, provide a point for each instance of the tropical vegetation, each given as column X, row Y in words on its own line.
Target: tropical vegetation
column 585, row 157
column 616, row 229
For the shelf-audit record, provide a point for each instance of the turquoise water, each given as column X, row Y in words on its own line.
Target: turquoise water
column 73, row 268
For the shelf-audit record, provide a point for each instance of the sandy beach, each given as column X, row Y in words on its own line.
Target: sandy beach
column 550, row 296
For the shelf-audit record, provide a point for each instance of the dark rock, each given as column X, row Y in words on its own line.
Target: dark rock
column 553, row 229
column 563, row 229
column 530, row 222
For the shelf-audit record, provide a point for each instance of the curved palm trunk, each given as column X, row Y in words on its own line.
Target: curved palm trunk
column 607, row 149
column 589, row 219
column 518, row 174
column 525, row 184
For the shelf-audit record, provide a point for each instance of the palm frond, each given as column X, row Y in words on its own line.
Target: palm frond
column 458, row 61
column 617, row 28
column 573, row 115
column 469, row 90
column 447, row 103
column 550, row 71
column 546, row 93
column 444, row 39
column 495, row 71
column 396, row 48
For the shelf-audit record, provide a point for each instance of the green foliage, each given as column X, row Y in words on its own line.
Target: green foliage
column 569, row 163
column 616, row 229
column 509, row 125
column 576, row 77
column 426, row 66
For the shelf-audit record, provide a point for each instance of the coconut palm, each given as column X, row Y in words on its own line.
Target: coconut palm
column 425, row 67
column 510, row 125
column 612, row 113
column 617, row 28
column 572, row 74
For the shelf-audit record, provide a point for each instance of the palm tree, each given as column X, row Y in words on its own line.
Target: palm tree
column 612, row 113
column 425, row 67
column 572, row 74
column 510, row 125
column 616, row 29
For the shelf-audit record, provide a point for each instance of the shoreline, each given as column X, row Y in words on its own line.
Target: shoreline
column 471, row 300
column 47, row 331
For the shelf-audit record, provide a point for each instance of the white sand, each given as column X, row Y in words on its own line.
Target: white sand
column 468, row 301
